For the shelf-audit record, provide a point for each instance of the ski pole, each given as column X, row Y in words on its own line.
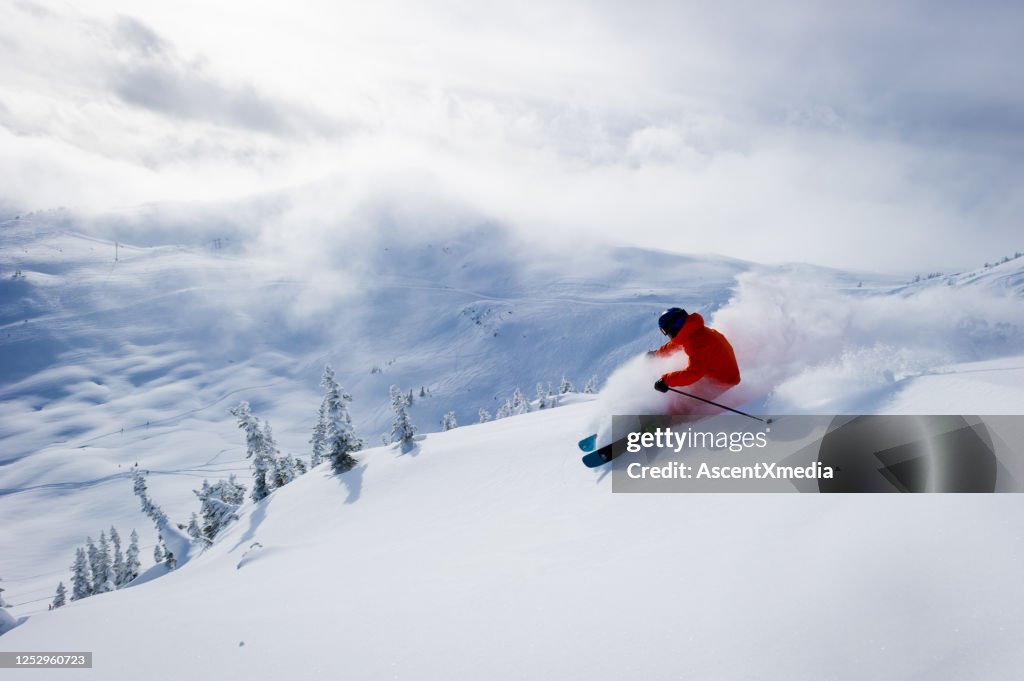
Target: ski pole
column 735, row 411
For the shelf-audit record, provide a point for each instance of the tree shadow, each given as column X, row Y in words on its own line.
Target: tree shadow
column 411, row 448
column 353, row 481
column 255, row 520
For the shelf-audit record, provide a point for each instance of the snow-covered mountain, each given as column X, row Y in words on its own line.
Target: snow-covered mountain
column 489, row 540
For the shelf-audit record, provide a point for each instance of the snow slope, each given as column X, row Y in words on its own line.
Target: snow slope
column 105, row 364
column 491, row 553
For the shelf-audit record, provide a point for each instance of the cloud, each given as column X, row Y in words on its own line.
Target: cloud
column 881, row 136
column 158, row 79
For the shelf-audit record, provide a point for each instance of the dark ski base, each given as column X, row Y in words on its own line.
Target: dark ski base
column 603, row 455
column 598, row 458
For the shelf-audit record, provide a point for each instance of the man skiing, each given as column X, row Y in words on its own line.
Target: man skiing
column 712, row 365
column 710, row 372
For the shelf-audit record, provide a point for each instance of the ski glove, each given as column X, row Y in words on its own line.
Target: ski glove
column 661, row 386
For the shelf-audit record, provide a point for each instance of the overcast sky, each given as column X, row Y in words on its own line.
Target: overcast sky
column 882, row 136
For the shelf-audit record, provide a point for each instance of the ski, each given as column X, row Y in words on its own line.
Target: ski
column 606, row 454
column 598, row 457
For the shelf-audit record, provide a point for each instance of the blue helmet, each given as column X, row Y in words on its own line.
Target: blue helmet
column 671, row 321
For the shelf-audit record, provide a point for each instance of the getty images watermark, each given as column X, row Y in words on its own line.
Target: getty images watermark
column 733, row 453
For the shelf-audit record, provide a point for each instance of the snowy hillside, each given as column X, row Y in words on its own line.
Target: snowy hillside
column 506, row 559
column 107, row 363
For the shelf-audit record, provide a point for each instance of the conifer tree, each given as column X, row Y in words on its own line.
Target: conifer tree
column 103, row 574
column 118, row 564
column 448, row 421
column 93, row 555
column 218, row 505
column 341, row 438
column 170, row 560
column 276, row 476
column 256, row 448
column 566, row 386
column 61, row 597
column 131, row 560
column 591, row 386
column 176, row 543
column 284, row 471
column 485, row 415
column 195, row 531
column 520, row 405
column 155, row 513
column 81, row 576
column 402, row 429
column 319, row 439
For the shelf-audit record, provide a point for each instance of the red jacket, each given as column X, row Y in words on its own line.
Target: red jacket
column 710, row 355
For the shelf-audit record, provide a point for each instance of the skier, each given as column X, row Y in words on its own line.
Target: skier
column 710, row 372
column 712, row 365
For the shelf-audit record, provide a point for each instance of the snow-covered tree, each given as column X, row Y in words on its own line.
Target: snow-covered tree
column 408, row 398
column 155, row 513
column 282, row 470
column 319, row 439
column 131, row 560
column 505, row 410
column 485, row 415
column 566, row 386
column 3, row 601
column 195, row 531
column 103, row 572
column 170, row 560
column 158, row 553
column 402, row 429
column 520, row 405
column 257, row 448
column 81, row 576
column 448, row 421
column 423, row 391
column 93, row 555
column 176, row 543
column 301, row 467
column 61, row 597
column 341, row 439
column 118, row 563
column 218, row 505
column 591, row 386
column 542, row 396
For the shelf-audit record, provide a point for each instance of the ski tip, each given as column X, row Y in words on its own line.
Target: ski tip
column 589, row 443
